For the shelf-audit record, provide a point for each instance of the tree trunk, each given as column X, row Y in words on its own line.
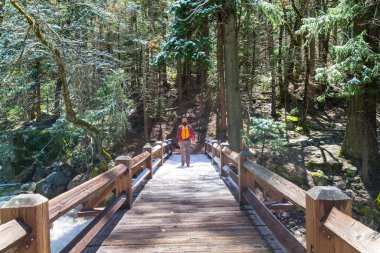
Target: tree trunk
column 306, row 84
column 280, row 67
column 37, row 103
column 57, row 98
column 272, row 64
column 179, row 83
column 233, row 96
column 361, row 115
column 360, row 140
column 221, row 79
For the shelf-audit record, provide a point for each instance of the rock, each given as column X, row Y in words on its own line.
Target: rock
column 351, row 171
column 28, row 187
column 357, row 179
column 77, row 180
column 39, row 173
column 356, row 186
column 285, row 215
column 320, row 178
column 290, row 126
column 323, row 158
column 350, row 193
column 52, row 185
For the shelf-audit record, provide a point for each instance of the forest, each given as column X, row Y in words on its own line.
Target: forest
column 296, row 81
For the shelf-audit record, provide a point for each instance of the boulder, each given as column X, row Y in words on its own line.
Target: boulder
column 323, row 158
column 39, row 173
column 320, row 178
column 52, row 185
column 28, row 187
column 77, row 180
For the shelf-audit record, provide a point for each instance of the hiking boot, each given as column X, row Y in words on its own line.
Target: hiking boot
column 188, row 165
column 183, row 164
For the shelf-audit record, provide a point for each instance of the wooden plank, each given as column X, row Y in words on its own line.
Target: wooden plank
column 280, row 206
column 156, row 163
column 351, row 232
column 270, row 180
column 33, row 210
column 68, row 200
column 95, row 200
column 156, row 151
column 283, row 235
column 217, row 161
column 188, row 210
column 12, row 234
column 231, row 155
column 90, row 231
column 137, row 181
column 138, row 161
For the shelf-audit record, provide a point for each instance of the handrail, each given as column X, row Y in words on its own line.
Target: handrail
column 66, row 201
column 12, row 234
column 119, row 178
column 327, row 209
column 350, row 231
column 271, row 181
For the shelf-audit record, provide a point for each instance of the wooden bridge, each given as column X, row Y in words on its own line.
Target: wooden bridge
column 187, row 209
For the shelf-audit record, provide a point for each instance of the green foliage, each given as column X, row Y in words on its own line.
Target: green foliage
column 111, row 107
column 355, row 66
column 378, row 201
column 365, row 211
column 7, row 148
column 266, row 131
column 188, row 16
column 272, row 11
column 319, row 178
column 295, row 112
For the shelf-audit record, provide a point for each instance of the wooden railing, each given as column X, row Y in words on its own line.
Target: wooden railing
column 328, row 211
column 26, row 218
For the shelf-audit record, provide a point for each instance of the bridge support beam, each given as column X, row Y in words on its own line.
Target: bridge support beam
column 319, row 202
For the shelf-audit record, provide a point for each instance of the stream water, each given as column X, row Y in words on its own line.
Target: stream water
column 63, row 230
column 7, row 191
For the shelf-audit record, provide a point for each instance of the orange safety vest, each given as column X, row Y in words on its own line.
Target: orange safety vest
column 185, row 133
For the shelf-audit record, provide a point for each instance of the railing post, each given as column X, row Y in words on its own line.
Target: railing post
column 222, row 159
column 206, row 146
column 161, row 152
column 245, row 179
column 33, row 210
column 148, row 148
column 319, row 202
column 213, row 151
column 124, row 183
column 170, row 150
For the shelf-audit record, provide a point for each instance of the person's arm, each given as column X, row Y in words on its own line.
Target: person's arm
column 192, row 134
column 179, row 134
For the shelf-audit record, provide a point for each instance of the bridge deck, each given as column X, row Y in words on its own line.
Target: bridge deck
column 181, row 210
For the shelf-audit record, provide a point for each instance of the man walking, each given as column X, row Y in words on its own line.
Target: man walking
column 185, row 135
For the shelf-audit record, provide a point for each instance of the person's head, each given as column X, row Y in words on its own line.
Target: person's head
column 184, row 121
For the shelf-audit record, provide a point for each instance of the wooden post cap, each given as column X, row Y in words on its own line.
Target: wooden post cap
column 25, row 200
column 147, row 146
column 123, row 159
column 327, row 193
